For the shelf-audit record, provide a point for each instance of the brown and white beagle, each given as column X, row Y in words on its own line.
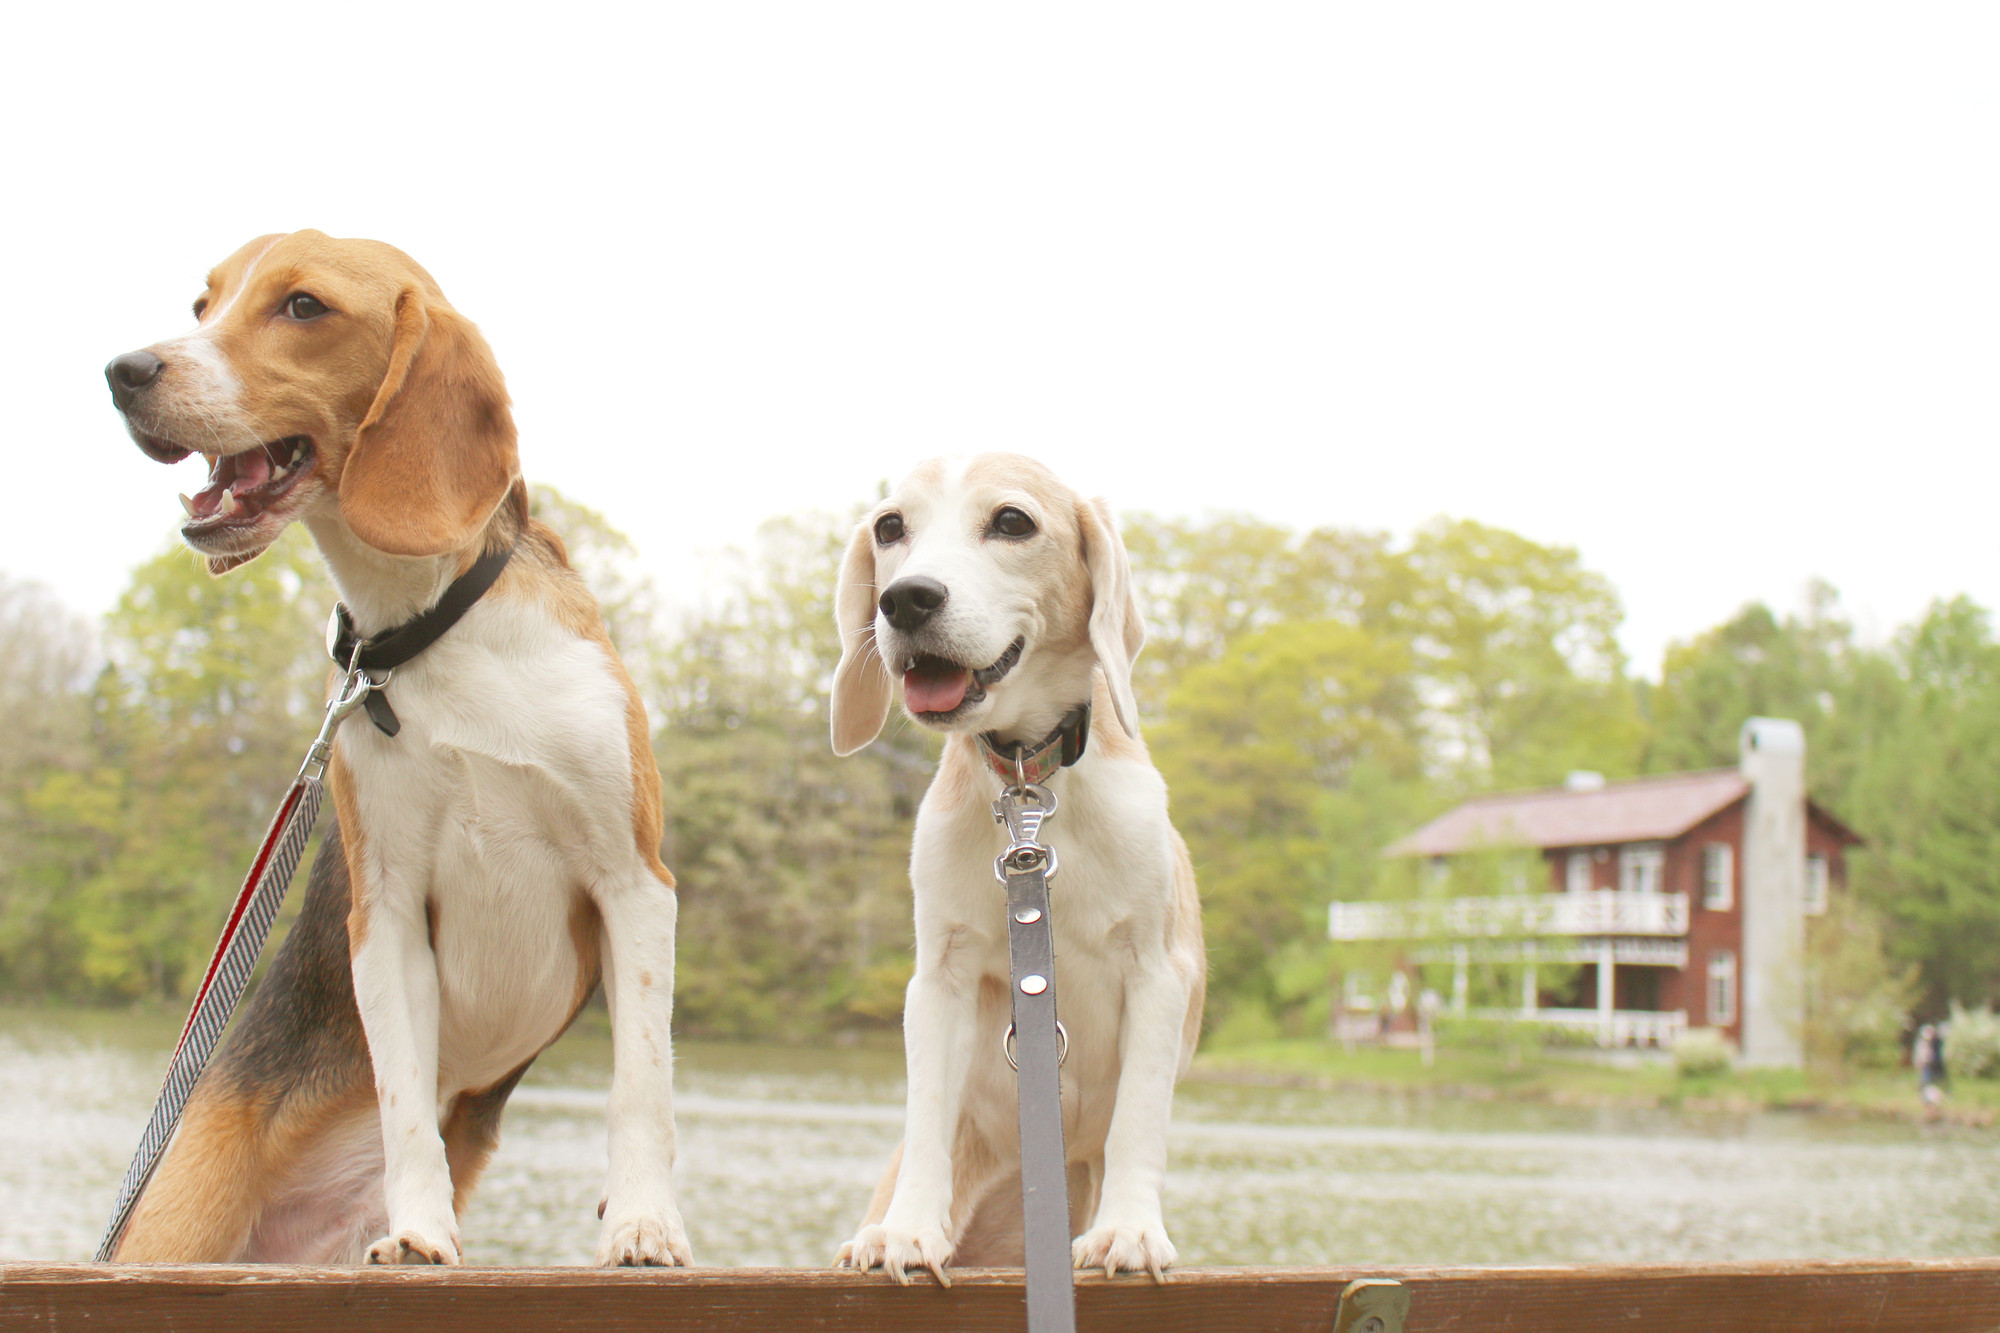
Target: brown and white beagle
column 492, row 857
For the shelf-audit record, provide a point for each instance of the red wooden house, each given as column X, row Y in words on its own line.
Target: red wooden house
column 1684, row 896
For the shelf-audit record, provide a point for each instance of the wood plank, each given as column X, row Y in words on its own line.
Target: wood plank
column 1900, row 1296
column 1867, row 1296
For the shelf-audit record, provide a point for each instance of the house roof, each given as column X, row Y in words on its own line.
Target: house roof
column 1638, row 810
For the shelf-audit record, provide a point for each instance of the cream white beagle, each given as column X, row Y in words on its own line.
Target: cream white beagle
column 492, row 856
column 1002, row 601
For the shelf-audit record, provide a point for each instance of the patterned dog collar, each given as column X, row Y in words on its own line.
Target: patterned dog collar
column 1035, row 764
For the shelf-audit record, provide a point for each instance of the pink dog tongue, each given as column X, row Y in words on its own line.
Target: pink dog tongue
column 253, row 468
column 935, row 694
column 233, row 475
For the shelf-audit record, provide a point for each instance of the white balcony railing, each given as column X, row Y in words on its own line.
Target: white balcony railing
column 1626, row 950
column 1601, row 912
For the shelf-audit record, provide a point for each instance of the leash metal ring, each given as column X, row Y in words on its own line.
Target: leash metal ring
column 1062, row 1046
column 1001, row 862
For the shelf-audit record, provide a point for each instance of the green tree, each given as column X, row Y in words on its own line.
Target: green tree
column 1517, row 646
column 795, row 905
column 609, row 563
column 1203, row 584
column 1314, row 697
column 1252, row 746
column 1903, row 744
column 1753, row 665
column 1926, row 796
column 210, row 690
column 45, row 669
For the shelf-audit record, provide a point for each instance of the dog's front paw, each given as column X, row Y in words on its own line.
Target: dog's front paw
column 1136, row 1248
column 897, row 1251
column 647, row 1240
column 412, row 1246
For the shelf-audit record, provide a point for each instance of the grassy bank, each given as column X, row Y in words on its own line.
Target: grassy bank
column 1461, row 1072
column 1577, row 1080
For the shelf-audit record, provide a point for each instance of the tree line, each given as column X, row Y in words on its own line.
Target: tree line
column 1310, row 697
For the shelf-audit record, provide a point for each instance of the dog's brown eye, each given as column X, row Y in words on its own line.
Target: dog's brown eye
column 889, row 529
column 1011, row 522
column 303, row 306
column 201, row 304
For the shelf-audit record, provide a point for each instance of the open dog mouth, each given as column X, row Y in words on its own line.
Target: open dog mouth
column 242, row 486
column 937, row 688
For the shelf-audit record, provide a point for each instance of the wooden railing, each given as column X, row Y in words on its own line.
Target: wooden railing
column 1865, row 1296
column 1601, row 912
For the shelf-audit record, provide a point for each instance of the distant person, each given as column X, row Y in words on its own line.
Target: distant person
column 1928, row 1056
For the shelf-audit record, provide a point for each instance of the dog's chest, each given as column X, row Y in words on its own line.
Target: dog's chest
column 1108, row 898
column 500, row 806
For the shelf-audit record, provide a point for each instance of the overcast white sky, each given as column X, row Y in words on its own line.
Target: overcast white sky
column 1708, row 291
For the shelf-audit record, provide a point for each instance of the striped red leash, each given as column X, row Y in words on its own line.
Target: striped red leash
column 256, row 907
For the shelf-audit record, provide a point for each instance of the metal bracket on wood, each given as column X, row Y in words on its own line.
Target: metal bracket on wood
column 1372, row 1305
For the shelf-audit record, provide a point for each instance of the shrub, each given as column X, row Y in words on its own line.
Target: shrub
column 1857, row 1000
column 1972, row 1042
column 1563, row 1037
column 1700, row 1052
column 1246, row 1021
column 1473, row 1032
column 1512, row 1035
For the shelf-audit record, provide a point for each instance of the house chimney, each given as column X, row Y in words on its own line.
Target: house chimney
column 1774, row 866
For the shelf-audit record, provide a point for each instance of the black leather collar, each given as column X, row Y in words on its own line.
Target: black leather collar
column 393, row 647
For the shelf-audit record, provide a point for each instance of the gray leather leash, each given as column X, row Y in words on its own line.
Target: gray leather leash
column 1036, row 1044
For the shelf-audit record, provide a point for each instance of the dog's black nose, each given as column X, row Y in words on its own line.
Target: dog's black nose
column 130, row 373
column 909, row 602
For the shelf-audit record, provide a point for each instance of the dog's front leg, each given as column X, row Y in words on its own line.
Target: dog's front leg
column 1130, row 1231
column 396, row 989
column 642, row 1225
column 940, row 1021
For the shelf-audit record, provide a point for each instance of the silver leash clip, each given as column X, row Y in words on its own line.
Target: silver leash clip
column 354, row 690
column 1021, row 809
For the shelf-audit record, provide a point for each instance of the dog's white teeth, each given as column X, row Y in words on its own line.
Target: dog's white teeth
column 228, row 506
column 187, row 505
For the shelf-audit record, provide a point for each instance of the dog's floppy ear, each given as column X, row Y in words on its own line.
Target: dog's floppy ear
column 1116, row 631
column 435, row 455
column 861, row 682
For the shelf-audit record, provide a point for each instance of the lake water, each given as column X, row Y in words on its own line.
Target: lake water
column 780, row 1148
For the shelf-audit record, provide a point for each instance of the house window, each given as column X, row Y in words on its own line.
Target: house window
column 1721, row 988
column 1576, row 872
column 1639, row 867
column 1718, row 876
column 1815, row 900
